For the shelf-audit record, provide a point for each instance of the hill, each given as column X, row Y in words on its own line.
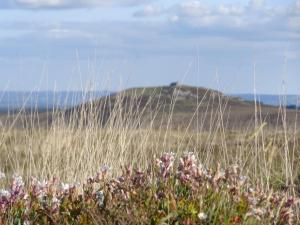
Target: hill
column 179, row 107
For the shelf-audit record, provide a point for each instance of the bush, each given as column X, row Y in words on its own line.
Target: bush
column 187, row 193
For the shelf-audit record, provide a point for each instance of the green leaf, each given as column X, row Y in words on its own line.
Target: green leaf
column 168, row 217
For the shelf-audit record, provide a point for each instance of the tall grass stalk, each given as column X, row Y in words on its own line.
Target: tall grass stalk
column 72, row 144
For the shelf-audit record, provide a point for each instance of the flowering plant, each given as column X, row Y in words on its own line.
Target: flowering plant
column 187, row 194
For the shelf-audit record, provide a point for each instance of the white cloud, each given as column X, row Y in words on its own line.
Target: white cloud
column 63, row 33
column 42, row 3
column 36, row 4
column 256, row 13
column 149, row 11
column 230, row 10
column 188, row 21
column 294, row 16
column 294, row 22
column 256, row 4
column 297, row 7
column 174, row 18
column 298, row 4
column 194, row 8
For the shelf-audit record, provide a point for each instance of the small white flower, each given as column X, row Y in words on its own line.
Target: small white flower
column 4, row 193
column 202, row 216
column 42, row 184
column 2, row 175
column 242, row 180
column 55, row 200
column 100, row 197
column 65, row 187
column 26, row 197
column 18, row 180
column 251, row 190
column 26, row 222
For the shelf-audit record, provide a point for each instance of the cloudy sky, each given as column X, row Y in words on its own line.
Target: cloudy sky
column 66, row 44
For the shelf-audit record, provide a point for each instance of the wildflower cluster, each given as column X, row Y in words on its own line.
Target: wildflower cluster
column 187, row 193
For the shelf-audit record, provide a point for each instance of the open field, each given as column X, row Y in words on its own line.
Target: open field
column 134, row 126
column 133, row 129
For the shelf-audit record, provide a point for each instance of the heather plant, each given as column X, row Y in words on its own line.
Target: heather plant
column 168, row 191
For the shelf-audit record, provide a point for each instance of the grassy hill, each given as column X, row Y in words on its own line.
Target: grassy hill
column 180, row 107
column 170, row 107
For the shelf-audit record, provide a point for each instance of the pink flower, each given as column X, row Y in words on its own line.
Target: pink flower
column 165, row 164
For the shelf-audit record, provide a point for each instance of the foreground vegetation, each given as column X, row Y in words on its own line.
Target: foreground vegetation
column 69, row 150
column 188, row 194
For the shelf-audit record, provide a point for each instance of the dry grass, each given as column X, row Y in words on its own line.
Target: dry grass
column 75, row 147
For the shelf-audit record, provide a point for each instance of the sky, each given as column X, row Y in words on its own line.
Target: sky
column 234, row 46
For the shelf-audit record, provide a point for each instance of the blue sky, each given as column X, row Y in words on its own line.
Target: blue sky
column 66, row 44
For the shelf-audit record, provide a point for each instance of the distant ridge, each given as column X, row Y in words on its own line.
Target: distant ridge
column 185, row 105
column 174, row 107
column 274, row 100
column 43, row 100
column 13, row 100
